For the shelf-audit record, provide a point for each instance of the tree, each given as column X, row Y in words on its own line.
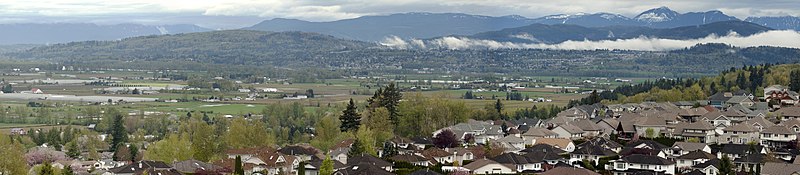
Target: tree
column 445, row 139
column 122, row 153
column 391, row 100
column 364, row 143
column 240, row 134
column 134, row 152
column 350, row 118
column 649, row 133
column 725, row 166
column 46, row 169
column 67, row 171
column 468, row 95
column 238, row 169
column 118, row 133
column 378, row 120
column 301, row 168
column 794, row 81
column 73, row 150
column 13, row 161
column 310, row 93
column 171, row 149
column 327, row 166
column 327, row 133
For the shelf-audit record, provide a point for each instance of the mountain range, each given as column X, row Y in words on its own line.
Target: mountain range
column 427, row 25
column 557, row 33
column 31, row 33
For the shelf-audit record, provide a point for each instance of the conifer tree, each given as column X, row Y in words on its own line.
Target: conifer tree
column 350, row 118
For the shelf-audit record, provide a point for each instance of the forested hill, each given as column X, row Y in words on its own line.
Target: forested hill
column 225, row 47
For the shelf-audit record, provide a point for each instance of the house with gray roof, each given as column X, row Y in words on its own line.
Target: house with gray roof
column 741, row 133
column 682, row 148
column 777, row 136
column 700, row 130
column 568, row 131
column 638, row 163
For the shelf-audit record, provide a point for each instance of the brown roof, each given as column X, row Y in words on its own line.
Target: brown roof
column 435, row 152
column 410, row 158
column 539, row 132
column 741, row 127
column 693, row 112
column 556, row 142
column 778, row 129
column 771, row 168
column 792, row 111
column 569, row 170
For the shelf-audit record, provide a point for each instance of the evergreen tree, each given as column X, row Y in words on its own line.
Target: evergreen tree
column 134, row 152
column 391, row 101
column 350, row 118
column 72, row 150
column 8, row 89
column 67, row 171
column 794, row 81
column 301, row 168
column 238, row 169
column 725, row 166
column 118, row 133
column 357, row 148
column 46, row 169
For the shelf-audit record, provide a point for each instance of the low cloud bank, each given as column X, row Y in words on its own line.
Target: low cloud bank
column 777, row 38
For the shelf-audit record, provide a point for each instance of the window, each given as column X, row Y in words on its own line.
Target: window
column 645, row 166
column 621, row 166
column 786, row 136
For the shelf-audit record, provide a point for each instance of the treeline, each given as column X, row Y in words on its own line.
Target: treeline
column 751, row 79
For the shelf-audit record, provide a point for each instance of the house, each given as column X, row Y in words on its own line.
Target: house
column 568, row 131
column 440, row 156
column 608, row 125
column 569, row 170
column 260, row 159
column 717, row 119
column 302, row 152
column 777, row 136
column 788, row 113
column 196, row 167
column 682, row 148
column 590, row 151
column 424, row 172
column 701, row 130
column 647, row 147
column 158, row 172
column 132, row 168
column 636, row 163
column 590, row 128
column 546, row 153
column 521, row 163
column 656, row 125
column 693, row 158
column 462, row 154
column 511, row 143
column 735, row 151
column 782, row 94
column 692, row 114
column 368, row 159
column 720, row 99
column 710, row 167
column 487, row 166
column 313, row 166
column 472, row 127
column 741, row 133
column 626, row 129
column 538, row 132
column 412, row 159
column 36, row 91
column 772, row 168
column 740, row 100
column 364, row 168
column 563, row 144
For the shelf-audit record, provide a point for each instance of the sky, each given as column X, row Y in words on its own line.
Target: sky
column 226, row 14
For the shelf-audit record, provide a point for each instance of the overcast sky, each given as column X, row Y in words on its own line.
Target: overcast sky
column 240, row 13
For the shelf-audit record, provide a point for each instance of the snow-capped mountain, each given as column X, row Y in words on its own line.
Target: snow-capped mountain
column 584, row 19
column 777, row 22
column 655, row 15
column 31, row 33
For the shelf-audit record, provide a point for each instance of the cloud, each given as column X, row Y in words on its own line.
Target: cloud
column 778, row 38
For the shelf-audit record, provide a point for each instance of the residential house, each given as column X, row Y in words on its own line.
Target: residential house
column 472, row 127
column 313, row 166
column 693, row 158
column 563, row 144
column 546, row 153
column 521, row 163
column 655, row 125
column 782, row 94
column 682, row 148
column 637, row 163
column 368, row 159
column 260, row 159
column 717, row 119
column 462, row 154
column 589, row 128
column 788, row 113
column 735, row 151
column 590, row 151
column 709, row 167
column 692, row 114
column 740, row 100
column 511, row 143
column 568, row 131
column 487, row 166
column 198, row 167
column 647, row 147
column 741, row 133
column 538, row 132
column 777, row 136
column 424, row 172
column 412, row 159
column 364, row 168
column 701, row 130
column 626, row 129
column 608, row 125
column 772, row 168
column 130, row 169
column 440, row 156
column 569, row 170
column 302, row 152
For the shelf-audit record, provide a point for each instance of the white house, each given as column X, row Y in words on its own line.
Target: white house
column 641, row 163
column 486, row 166
column 568, row 132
